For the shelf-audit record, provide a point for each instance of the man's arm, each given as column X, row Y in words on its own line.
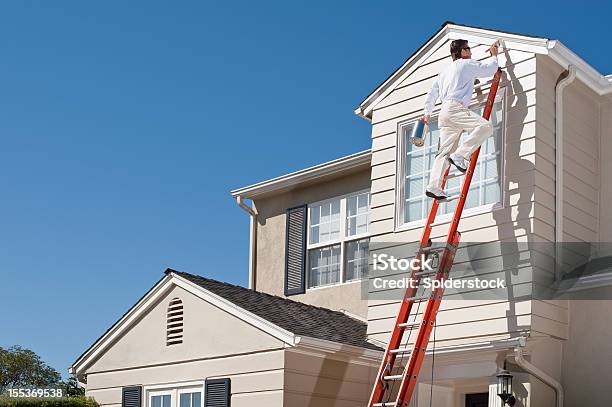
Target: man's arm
column 432, row 96
column 484, row 69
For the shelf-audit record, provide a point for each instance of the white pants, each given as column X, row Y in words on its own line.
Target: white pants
column 454, row 119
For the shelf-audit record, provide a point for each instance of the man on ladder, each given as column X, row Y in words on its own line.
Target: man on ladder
column 454, row 86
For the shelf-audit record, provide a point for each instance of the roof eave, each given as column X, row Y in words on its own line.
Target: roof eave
column 599, row 83
column 293, row 179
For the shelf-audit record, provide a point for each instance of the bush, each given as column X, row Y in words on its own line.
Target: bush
column 56, row 402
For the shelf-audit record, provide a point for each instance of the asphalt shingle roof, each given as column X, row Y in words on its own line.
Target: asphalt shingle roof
column 296, row 317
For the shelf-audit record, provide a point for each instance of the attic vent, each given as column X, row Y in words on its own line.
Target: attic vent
column 174, row 326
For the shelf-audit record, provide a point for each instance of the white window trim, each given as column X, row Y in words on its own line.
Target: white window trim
column 174, row 390
column 400, row 225
column 342, row 240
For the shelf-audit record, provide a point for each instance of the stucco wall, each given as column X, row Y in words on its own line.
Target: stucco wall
column 587, row 354
column 271, row 242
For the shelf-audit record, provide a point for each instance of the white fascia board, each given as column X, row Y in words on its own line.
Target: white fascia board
column 162, row 288
column 122, row 325
column 325, row 346
column 602, row 85
column 235, row 310
column 307, row 174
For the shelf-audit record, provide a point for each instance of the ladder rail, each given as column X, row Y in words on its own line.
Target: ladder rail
column 416, row 358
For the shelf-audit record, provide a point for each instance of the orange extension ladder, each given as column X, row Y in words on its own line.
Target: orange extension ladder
column 407, row 378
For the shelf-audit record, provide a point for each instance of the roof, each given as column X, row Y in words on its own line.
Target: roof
column 293, row 322
column 330, row 168
column 296, row 317
column 450, row 30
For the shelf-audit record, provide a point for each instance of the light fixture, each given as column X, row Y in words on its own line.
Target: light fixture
column 504, row 387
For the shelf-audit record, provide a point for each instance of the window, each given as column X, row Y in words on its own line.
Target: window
column 161, row 400
column 190, row 399
column 415, row 165
column 338, row 239
column 174, row 324
column 178, row 395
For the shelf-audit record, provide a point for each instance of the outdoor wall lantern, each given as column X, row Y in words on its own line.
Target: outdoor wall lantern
column 504, row 387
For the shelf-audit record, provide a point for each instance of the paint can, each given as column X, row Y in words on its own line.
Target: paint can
column 419, row 132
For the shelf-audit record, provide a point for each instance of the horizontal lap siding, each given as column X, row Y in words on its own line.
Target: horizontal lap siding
column 529, row 160
column 257, row 379
column 580, row 147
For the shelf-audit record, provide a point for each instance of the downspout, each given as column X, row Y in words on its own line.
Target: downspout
column 533, row 370
column 559, row 88
column 252, row 211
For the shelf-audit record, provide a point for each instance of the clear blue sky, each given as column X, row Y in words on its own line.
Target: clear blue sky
column 123, row 126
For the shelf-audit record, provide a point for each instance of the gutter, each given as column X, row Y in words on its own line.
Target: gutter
column 252, row 211
column 535, row 371
column 559, row 88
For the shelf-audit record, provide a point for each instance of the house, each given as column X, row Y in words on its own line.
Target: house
column 307, row 331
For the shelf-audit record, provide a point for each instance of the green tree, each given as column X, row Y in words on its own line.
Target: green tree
column 21, row 367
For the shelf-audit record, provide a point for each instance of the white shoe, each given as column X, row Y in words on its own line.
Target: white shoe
column 459, row 162
column 435, row 193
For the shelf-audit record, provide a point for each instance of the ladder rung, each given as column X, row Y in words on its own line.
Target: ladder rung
column 401, row 350
column 425, row 273
column 387, row 404
column 393, row 377
column 455, row 175
column 419, row 298
column 432, row 249
column 409, row 325
column 451, row 198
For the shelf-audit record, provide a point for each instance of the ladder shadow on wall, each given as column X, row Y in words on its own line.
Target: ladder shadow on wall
column 511, row 227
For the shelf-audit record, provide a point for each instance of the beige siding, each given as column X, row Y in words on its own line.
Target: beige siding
column 581, row 182
column 529, row 160
column 271, row 242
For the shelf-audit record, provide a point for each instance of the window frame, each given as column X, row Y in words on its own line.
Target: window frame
column 400, row 194
column 174, row 390
column 343, row 240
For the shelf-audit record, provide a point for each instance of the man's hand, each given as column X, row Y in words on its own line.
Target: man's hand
column 494, row 49
column 425, row 119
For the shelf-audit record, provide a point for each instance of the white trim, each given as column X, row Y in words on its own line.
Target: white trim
column 175, row 390
column 565, row 57
column 308, row 174
column 323, row 345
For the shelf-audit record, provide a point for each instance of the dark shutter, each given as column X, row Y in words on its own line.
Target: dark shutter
column 295, row 251
column 217, row 393
column 131, row 396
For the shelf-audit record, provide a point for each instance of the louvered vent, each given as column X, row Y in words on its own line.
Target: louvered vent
column 217, row 393
column 174, row 326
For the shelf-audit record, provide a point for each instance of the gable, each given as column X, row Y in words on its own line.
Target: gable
column 434, row 49
column 208, row 331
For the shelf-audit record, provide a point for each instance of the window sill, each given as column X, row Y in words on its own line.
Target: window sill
column 321, row 287
column 446, row 218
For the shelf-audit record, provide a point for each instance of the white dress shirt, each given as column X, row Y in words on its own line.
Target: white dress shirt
column 457, row 81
